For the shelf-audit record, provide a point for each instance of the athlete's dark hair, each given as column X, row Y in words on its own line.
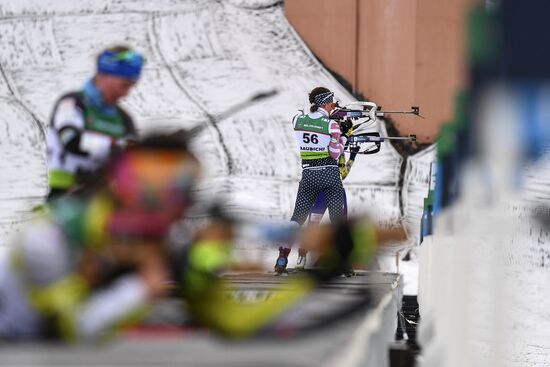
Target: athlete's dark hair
column 315, row 92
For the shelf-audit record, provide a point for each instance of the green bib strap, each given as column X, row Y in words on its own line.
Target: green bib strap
column 58, row 179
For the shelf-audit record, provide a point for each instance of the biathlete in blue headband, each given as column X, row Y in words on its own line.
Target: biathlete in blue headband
column 321, row 141
column 86, row 124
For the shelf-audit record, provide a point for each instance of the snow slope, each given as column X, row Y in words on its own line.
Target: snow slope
column 202, row 57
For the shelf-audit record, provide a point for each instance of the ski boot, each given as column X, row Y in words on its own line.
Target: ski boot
column 282, row 260
column 301, row 262
column 348, row 272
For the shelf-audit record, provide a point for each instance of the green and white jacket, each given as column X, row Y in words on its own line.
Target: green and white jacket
column 319, row 139
column 80, row 138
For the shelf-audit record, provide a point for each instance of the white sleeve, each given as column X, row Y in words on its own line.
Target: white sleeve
column 68, row 114
column 96, row 144
column 44, row 254
column 109, row 306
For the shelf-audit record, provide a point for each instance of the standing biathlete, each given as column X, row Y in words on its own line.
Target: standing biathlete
column 320, row 205
column 321, row 143
column 88, row 123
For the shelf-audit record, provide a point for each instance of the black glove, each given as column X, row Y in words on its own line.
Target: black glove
column 70, row 138
column 346, row 127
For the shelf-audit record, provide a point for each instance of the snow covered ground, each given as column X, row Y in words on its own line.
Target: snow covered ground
column 202, row 57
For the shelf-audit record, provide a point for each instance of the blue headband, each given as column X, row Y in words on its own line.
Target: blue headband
column 125, row 64
column 323, row 98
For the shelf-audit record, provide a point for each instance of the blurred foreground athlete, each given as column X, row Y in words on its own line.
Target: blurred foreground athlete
column 94, row 261
column 200, row 272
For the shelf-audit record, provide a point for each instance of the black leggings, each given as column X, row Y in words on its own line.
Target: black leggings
column 313, row 182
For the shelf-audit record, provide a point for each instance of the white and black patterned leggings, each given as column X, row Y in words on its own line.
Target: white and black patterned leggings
column 313, row 182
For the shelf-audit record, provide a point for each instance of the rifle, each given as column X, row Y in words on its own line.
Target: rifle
column 369, row 111
column 356, row 140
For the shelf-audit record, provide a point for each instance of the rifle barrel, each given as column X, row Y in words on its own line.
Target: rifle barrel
column 397, row 138
column 403, row 112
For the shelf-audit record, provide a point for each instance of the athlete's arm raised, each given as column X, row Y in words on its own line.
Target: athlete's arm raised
column 337, row 140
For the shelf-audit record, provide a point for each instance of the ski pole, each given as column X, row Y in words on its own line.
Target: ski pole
column 239, row 106
column 214, row 119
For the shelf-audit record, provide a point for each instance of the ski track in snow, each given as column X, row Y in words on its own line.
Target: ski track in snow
column 202, row 57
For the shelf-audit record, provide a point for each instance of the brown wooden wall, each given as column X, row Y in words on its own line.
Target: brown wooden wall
column 398, row 53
